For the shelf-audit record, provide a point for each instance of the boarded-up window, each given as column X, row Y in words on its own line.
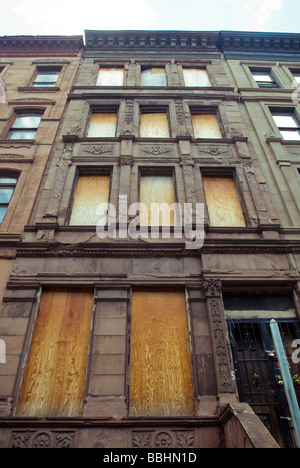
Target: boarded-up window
column 157, row 195
column 161, row 381
column 206, row 126
column 153, row 77
column 110, row 77
column 103, row 125
column 223, row 203
column 195, row 77
column 154, row 125
column 90, row 202
column 54, row 379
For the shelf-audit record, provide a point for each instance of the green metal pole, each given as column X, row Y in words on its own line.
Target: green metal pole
column 287, row 380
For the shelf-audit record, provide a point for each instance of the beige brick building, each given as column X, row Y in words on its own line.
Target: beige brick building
column 134, row 337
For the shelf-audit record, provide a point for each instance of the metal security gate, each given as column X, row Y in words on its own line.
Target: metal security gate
column 258, row 374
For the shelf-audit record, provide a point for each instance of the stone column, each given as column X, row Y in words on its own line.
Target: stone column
column 225, row 377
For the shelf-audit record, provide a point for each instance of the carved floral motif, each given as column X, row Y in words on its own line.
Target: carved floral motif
column 163, row 439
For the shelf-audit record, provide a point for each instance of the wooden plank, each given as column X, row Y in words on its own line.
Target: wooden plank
column 91, row 191
column 206, row 126
column 103, row 125
column 223, row 203
column 110, row 77
column 154, row 77
column 154, row 125
column 161, row 381
column 157, row 190
column 54, row 379
column 195, row 77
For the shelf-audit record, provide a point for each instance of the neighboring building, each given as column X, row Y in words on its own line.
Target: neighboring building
column 131, row 339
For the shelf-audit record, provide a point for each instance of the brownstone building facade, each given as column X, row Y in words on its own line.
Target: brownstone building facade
column 133, row 336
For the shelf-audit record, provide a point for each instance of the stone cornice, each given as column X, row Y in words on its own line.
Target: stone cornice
column 40, row 45
column 260, row 45
column 163, row 40
column 235, row 44
column 178, row 250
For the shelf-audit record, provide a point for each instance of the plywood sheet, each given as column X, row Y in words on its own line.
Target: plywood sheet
column 195, row 77
column 154, row 191
column 54, row 379
column 91, row 191
column 223, row 203
column 110, row 77
column 161, row 381
column 154, row 77
column 206, row 126
column 103, row 125
column 154, row 125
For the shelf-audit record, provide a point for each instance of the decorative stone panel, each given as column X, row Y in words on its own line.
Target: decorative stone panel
column 163, row 438
column 42, row 439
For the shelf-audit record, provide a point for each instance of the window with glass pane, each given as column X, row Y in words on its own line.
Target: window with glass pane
column 154, row 125
column 103, row 125
column 195, row 77
column 7, row 186
column 264, row 79
column 46, row 78
column 287, row 124
column 206, row 126
column 110, row 77
column 25, row 126
column 153, row 77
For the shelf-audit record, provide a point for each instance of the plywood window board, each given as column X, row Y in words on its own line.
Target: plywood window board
column 54, row 379
column 90, row 201
column 161, row 382
column 157, row 192
column 223, row 202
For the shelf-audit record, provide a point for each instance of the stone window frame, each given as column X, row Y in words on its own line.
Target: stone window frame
column 262, row 66
column 9, row 173
column 101, row 64
column 142, row 64
column 213, row 110
column 160, row 170
column 19, row 111
column 46, row 68
column 268, row 71
column 230, row 172
column 85, row 170
column 198, row 66
column 284, row 109
column 98, row 109
column 155, row 109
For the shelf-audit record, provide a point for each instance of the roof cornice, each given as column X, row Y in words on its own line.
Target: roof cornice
column 234, row 44
column 40, row 45
column 151, row 40
column 263, row 45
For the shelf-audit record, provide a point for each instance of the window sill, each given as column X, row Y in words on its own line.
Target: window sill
column 38, row 89
column 16, row 141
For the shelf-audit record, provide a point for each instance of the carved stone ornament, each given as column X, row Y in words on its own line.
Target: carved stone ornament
column 77, row 130
column 126, row 160
column 211, row 287
column 180, row 111
column 213, row 150
column 163, row 439
column 97, row 149
column 156, row 149
column 42, row 439
column 128, row 111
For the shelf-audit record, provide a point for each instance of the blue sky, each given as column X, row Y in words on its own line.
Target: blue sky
column 34, row 17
